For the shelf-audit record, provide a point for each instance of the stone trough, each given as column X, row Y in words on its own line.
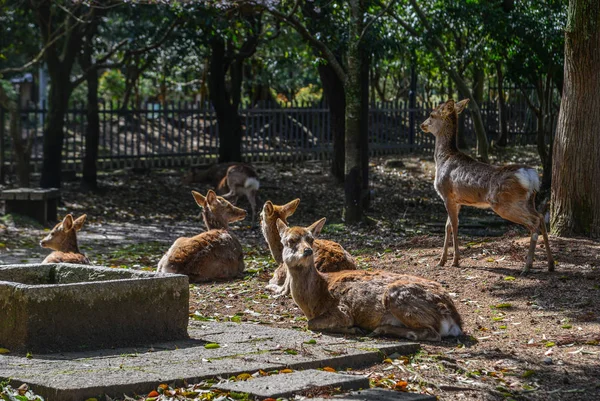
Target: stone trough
column 66, row 307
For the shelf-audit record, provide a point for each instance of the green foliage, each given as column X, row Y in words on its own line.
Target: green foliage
column 112, row 85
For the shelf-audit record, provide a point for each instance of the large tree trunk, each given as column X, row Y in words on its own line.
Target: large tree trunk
column 60, row 91
column 92, row 133
column 364, row 127
column 502, row 114
column 576, row 172
column 336, row 98
column 230, row 128
column 353, row 184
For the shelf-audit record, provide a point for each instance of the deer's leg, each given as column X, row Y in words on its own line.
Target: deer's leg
column 444, row 257
column 334, row 321
column 453, row 210
column 526, row 215
column 426, row 334
column 252, row 199
column 547, row 244
column 416, row 307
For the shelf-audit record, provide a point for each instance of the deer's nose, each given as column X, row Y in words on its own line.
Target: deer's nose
column 307, row 251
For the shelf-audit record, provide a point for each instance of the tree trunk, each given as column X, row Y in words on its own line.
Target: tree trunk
column 334, row 91
column 576, row 169
column 364, row 127
column 502, row 113
column 482, row 142
column 230, row 129
column 353, row 168
column 60, row 91
column 92, row 134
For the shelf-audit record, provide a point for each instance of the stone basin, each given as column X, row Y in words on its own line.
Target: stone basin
column 67, row 307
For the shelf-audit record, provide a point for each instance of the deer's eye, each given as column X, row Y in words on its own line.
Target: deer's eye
column 310, row 240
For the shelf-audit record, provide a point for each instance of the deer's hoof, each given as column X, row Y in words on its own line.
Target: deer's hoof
column 441, row 263
column 455, row 264
column 551, row 265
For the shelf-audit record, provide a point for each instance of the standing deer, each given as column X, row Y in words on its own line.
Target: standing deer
column 377, row 301
column 63, row 240
column 329, row 256
column 231, row 181
column 241, row 179
column 214, row 254
column 461, row 180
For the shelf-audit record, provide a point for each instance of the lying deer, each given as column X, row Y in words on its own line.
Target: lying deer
column 352, row 301
column 231, row 180
column 329, row 256
column 214, row 254
column 63, row 240
column 461, row 180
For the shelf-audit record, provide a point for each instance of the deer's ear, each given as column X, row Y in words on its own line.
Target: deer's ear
column 460, row 106
column 316, row 227
column 290, row 208
column 268, row 208
column 449, row 107
column 78, row 223
column 211, row 197
column 199, row 198
column 67, row 222
column 281, row 227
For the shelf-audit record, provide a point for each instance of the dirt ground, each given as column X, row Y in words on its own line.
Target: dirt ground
column 533, row 337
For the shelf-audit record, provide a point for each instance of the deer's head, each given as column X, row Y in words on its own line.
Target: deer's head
column 217, row 212
column 445, row 114
column 271, row 213
column 297, row 244
column 63, row 233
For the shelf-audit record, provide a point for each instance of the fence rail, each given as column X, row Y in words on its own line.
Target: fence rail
column 178, row 134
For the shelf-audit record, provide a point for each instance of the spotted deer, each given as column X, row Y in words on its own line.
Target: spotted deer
column 212, row 255
column 62, row 239
column 461, row 180
column 354, row 301
column 329, row 256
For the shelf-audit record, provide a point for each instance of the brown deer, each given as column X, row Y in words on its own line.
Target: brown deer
column 63, row 241
column 376, row 301
column 329, row 256
column 212, row 255
column 231, row 180
column 241, row 179
column 460, row 180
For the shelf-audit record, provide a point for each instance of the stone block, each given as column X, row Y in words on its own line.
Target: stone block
column 378, row 394
column 61, row 307
column 286, row 385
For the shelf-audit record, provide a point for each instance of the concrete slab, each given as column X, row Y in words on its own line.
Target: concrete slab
column 243, row 348
column 66, row 307
column 286, row 385
column 378, row 394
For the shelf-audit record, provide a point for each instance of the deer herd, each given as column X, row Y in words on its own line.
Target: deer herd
column 320, row 275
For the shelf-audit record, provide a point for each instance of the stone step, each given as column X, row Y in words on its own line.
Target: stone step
column 378, row 394
column 243, row 348
column 287, row 385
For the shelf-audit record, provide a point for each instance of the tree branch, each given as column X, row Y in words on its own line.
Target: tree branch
column 155, row 44
column 375, row 18
column 317, row 44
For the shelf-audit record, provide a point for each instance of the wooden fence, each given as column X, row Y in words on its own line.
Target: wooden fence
column 181, row 134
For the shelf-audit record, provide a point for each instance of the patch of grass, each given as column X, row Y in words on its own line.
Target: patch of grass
column 335, row 228
column 18, row 220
